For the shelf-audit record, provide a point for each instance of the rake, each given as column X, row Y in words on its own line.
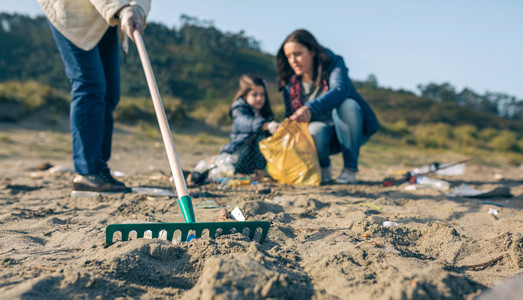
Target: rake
column 184, row 199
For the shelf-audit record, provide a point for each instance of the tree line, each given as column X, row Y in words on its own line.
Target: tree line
column 198, row 62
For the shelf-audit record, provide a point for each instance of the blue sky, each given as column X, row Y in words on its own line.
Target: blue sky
column 469, row 43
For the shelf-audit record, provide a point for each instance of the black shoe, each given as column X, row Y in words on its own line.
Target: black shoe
column 102, row 182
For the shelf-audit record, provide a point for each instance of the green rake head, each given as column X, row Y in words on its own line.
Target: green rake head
column 198, row 228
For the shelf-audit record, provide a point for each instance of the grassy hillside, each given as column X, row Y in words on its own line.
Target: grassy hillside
column 408, row 122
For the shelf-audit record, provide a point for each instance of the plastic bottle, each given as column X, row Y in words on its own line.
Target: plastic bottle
column 426, row 169
column 437, row 184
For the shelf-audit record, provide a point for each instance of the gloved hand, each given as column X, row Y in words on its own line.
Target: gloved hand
column 131, row 18
column 273, row 126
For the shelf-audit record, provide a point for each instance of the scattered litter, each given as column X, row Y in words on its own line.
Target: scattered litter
column 275, row 200
column 371, row 206
column 224, row 184
column 492, row 211
column 465, row 190
column 393, row 250
column 207, row 204
column 239, row 181
column 218, row 166
column 492, row 203
column 499, row 176
column 437, row 184
column 415, row 187
column 389, row 223
column 56, row 170
column 59, row 169
column 236, row 214
column 451, row 169
column 117, row 173
column 153, row 191
column 38, row 174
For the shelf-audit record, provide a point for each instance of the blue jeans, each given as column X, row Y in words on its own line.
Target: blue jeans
column 345, row 135
column 95, row 91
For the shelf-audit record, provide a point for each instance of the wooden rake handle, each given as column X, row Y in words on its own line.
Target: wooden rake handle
column 174, row 162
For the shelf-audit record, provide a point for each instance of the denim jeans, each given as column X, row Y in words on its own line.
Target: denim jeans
column 95, row 91
column 249, row 155
column 345, row 135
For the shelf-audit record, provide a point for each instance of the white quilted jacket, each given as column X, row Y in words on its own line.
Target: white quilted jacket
column 84, row 22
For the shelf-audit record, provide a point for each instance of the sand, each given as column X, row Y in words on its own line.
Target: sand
column 325, row 242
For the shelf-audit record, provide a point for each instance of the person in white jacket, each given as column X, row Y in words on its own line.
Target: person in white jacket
column 86, row 35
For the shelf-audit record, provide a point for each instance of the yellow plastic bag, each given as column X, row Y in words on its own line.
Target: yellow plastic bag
column 291, row 155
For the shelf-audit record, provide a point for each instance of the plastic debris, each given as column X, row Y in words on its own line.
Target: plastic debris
column 393, row 250
column 440, row 185
column 190, row 237
column 389, row 223
column 56, row 170
column 153, row 191
column 465, row 190
column 275, row 200
column 492, row 203
column 59, row 169
column 451, row 169
column 492, row 211
column 239, row 181
column 207, row 204
column 117, row 173
column 218, row 166
column 499, row 176
column 371, row 206
column 236, row 214
column 415, row 187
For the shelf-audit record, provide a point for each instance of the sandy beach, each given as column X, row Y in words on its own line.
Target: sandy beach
column 326, row 242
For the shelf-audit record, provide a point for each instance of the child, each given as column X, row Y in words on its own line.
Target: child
column 252, row 120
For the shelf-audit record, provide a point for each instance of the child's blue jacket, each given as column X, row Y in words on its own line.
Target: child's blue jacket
column 246, row 122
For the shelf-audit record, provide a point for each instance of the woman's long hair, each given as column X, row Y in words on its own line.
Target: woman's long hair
column 321, row 59
column 247, row 82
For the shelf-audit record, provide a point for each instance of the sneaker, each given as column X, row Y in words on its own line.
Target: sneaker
column 102, row 182
column 347, row 176
column 326, row 175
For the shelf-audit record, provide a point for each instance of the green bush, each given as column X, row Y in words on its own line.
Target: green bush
column 438, row 135
column 488, row 134
column 135, row 110
column 466, row 136
column 506, row 141
column 213, row 113
column 18, row 100
column 395, row 129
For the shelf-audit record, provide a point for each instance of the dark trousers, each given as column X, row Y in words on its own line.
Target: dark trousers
column 249, row 155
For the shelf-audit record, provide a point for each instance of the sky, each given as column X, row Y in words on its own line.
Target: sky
column 469, row 43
